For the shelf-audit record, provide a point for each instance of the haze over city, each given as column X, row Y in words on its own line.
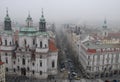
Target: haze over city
column 63, row 11
column 59, row 41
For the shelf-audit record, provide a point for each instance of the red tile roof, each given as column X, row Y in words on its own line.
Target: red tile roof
column 52, row 46
column 1, row 63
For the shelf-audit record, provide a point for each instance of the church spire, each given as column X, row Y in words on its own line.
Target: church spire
column 29, row 20
column 42, row 23
column 7, row 21
column 7, row 12
column 105, row 24
column 42, row 13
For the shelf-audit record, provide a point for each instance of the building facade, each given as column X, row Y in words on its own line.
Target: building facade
column 100, row 58
column 2, row 72
column 29, row 51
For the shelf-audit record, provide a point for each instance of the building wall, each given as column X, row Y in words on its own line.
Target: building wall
column 2, row 73
column 100, row 62
column 7, row 58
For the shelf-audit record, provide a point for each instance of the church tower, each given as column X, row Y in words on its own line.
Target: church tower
column 105, row 29
column 29, row 21
column 7, row 22
column 42, row 23
column 105, row 24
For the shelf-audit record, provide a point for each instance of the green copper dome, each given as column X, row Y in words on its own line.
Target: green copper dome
column 25, row 29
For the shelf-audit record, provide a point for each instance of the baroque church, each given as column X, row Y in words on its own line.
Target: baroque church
column 29, row 51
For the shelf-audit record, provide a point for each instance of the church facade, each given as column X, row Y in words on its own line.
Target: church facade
column 29, row 52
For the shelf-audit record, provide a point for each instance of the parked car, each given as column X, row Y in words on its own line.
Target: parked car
column 62, row 66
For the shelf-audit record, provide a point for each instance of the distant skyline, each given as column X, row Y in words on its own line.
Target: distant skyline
column 62, row 11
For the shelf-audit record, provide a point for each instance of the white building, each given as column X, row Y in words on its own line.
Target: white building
column 29, row 51
column 96, row 57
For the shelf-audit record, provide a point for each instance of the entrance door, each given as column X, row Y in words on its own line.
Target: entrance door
column 23, row 71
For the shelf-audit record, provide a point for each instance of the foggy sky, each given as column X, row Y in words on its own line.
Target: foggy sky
column 62, row 11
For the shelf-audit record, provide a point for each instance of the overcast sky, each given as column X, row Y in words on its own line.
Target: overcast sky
column 62, row 11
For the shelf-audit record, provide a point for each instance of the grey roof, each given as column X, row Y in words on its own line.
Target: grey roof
column 98, row 45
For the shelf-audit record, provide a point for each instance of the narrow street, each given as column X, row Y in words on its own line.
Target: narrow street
column 66, row 56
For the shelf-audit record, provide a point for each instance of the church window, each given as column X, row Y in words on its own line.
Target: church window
column 23, row 61
column 33, row 41
column 53, row 64
column 40, row 63
column 6, row 60
column 40, row 44
column 33, row 71
column 45, row 46
column 10, row 43
column 40, row 72
column 5, row 42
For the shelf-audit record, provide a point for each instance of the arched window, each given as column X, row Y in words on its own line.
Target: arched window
column 40, row 72
column 33, row 71
column 10, row 43
column 5, row 42
column 40, row 63
column 33, row 41
column 40, row 44
column 23, row 61
column 53, row 64
column 45, row 46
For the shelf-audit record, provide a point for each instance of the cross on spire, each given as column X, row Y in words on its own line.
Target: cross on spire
column 42, row 13
column 28, row 13
column 7, row 11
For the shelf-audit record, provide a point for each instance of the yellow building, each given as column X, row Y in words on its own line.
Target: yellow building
column 2, row 72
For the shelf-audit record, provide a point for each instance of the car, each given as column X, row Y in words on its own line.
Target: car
column 73, row 74
column 62, row 66
column 62, row 69
column 69, row 60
